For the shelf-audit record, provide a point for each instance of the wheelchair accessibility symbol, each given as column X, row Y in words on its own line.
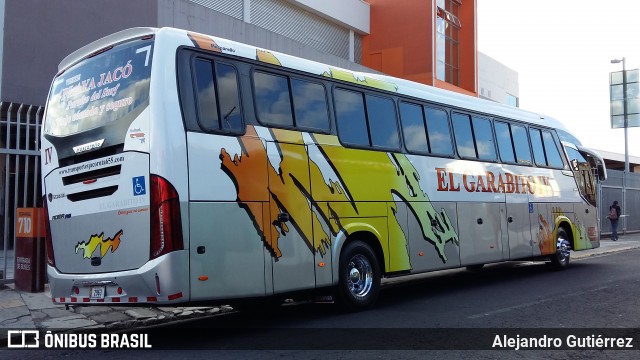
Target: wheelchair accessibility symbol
column 138, row 186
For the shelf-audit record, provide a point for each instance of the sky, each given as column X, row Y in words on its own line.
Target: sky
column 562, row 51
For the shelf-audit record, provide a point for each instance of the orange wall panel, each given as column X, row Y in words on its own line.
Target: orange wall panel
column 445, row 85
column 401, row 42
column 391, row 28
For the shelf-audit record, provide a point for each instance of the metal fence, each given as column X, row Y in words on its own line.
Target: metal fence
column 20, row 182
column 614, row 189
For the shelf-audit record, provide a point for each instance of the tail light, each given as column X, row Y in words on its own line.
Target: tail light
column 166, row 223
column 47, row 238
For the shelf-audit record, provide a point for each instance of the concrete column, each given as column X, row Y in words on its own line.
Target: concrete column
column 246, row 16
column 352, row 46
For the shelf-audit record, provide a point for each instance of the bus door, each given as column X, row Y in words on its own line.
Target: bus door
column 293, row 257
column 226, row 204
column 519, row 226
column 542, row 227
column 587, row 168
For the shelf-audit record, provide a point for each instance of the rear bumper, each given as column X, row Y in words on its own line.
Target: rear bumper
column 164, row 280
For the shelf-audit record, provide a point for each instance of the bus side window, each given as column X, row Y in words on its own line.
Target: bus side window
column 351, row 118
column 383, row 125
column 463, row 135
column 217, row 96
column 483, row 136
column 550, row 148
column 273, row 100
column 505, row 143
column 521, row 144
column 310, row 105
column 206, row 95
column 229, row 97
column 538, row 148
column 413, row 128
column 438, row 131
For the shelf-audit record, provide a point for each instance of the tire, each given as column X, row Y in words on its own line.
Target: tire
column 560, row 260
column 358, row 278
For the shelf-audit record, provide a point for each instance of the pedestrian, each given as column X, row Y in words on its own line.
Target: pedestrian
column 614, row 216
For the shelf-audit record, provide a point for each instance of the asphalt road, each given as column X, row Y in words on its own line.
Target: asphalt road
column 452, row 314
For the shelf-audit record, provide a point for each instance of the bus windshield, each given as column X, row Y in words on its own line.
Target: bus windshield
column 100, row 89
column 583, row 172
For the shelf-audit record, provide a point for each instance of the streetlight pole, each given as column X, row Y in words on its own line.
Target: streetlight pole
column 626, row 140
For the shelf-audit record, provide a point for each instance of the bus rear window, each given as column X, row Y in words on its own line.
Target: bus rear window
column 100, row 89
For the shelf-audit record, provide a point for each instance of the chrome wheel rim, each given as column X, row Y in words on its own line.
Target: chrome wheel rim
column 563, row 247
column 359, row 276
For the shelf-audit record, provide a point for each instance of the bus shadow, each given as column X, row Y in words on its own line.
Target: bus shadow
column 314, row 325
column 416, row 288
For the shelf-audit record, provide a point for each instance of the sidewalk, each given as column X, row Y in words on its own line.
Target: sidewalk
column 23, row 310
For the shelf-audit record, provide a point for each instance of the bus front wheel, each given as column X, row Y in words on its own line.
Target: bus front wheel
column 359, row 277
column 560, row 259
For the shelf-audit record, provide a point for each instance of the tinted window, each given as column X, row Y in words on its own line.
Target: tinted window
column 553, row 156
column 575, row 158
column 310, row 104
column 464, row 136
column 438, row 131
column 415, row 137
column 350, row 116
column 229, row 97
column 273, row 103
column 484, row 139
column 383, row 125
column 538, row 149
column 207, row 103
column 521, row 143
column 503, row 136
column 100, row 90
column 565, row 136
column 218, row 101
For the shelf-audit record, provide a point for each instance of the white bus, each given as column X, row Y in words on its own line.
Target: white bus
column 180, row 167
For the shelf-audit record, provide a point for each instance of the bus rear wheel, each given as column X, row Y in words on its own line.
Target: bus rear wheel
column 560, row 260
column 359, row 277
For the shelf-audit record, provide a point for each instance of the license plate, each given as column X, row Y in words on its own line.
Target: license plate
column 97, row 292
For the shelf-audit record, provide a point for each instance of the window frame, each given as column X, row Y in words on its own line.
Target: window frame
column 470, row 117
column 489, row 120
column 525, row 127
column 559, row 150
column 544, row 148
column 188, row 95
column 289, row 76
column 511, row 124
column 511, row 144
column 367, row 95
column 363, row 93
column 326, row 130
column 469, row 123
column 425, row 127
column 366, row 121
column 196, row 91
column 255, row 100
column 452, row 154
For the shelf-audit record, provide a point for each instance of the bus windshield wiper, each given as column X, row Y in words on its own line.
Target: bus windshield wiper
column 227, row 116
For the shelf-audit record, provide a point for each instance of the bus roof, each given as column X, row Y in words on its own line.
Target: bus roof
column 104, row 42
column 402, row 86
